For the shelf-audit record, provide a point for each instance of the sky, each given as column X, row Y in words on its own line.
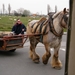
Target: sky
column 35, row 6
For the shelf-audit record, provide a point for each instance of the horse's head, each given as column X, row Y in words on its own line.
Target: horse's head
column 65, row 17
column 62, row 17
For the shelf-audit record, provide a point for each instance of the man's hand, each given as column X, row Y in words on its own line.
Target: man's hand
column 11, row 34
column 22, row 29
column 20, row 34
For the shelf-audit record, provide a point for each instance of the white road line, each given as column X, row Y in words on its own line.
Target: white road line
column 41, row 45
column 63, row 49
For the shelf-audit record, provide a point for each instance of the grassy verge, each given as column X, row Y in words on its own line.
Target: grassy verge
column 6, row 22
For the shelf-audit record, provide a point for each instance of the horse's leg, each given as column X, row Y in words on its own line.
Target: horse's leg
column 47, row 54
column 56, row 63
column 31, row 52
column 33, row 55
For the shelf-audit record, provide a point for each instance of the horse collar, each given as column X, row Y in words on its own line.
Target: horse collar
column 52, row 29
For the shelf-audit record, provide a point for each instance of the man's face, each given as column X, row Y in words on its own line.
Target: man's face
column 19, row 22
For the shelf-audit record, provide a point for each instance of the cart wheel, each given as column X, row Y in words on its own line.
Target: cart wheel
column 13, row 50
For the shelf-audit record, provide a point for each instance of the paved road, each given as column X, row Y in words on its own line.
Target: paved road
column 19, row 63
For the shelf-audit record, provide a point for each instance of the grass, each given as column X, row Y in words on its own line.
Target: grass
column 6, row 22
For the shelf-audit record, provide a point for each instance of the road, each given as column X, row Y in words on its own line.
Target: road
column 19, row 63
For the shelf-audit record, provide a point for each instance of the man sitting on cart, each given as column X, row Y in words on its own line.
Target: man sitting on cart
column 19, row 28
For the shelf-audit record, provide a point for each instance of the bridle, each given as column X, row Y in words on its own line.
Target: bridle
column 65, row 18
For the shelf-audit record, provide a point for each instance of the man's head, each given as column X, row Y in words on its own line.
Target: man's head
column 18, row 21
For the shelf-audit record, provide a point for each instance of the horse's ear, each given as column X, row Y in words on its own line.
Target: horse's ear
column 48, row 9
column 64, row 10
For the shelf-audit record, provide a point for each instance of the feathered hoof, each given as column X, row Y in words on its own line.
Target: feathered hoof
column 45, row 59
column 36, row 61
column 57, row 67
column 44, row 62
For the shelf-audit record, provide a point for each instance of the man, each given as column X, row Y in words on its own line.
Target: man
column 19, row 28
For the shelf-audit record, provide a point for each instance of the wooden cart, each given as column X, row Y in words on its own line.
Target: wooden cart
column 11, row 43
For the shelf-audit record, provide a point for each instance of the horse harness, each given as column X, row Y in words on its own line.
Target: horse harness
column 52, row 29
column 41, row 24
column 50, row 23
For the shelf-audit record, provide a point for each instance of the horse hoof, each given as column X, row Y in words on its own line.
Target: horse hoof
column 36, row 61
column 57, row 67
column 44, row 63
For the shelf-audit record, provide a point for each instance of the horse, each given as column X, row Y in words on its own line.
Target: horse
column 49, row 32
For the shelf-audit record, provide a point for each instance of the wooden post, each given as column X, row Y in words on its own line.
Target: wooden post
column 70, row 49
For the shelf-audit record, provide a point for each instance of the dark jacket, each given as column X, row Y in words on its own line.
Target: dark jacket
column 17, row 29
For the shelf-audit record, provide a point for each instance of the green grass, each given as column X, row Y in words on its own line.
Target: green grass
column 6, row 22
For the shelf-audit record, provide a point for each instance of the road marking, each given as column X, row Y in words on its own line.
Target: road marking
column 41, row 45
column 63, row 49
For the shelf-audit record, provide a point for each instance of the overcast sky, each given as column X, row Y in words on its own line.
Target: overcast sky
column 35, row 6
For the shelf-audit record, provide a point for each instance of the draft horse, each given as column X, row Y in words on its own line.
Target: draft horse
column 50, row 33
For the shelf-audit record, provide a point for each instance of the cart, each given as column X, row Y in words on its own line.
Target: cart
column 11, row 43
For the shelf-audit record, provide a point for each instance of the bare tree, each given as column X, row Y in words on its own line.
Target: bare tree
column 20, row 11
column 0, row 12
column 48, row 8
column 26, row 12
column 55, row 9
column 15, row 13
column 3, row 8
column 9, row 8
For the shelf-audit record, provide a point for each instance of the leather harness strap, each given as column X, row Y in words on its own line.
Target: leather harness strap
column 50, row 21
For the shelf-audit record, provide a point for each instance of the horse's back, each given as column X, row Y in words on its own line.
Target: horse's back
column 32, row 22
column 38, row 26
column 29, row 26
